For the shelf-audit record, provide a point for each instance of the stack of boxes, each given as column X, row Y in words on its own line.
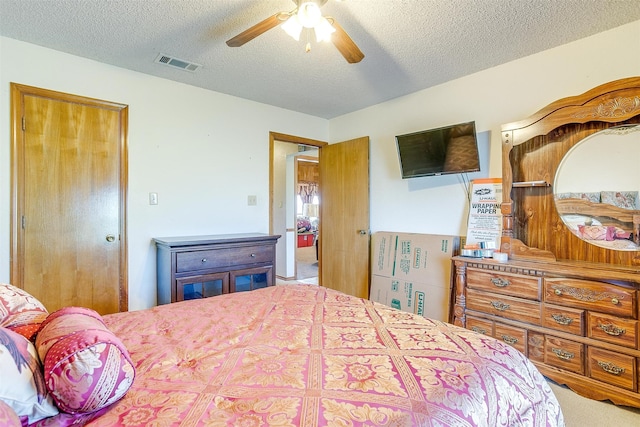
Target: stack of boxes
column 412, row 272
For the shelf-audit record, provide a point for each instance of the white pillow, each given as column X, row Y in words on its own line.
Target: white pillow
column 22, row 386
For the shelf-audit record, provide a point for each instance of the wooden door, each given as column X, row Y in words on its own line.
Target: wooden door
column 344, row 213
column 69, row 186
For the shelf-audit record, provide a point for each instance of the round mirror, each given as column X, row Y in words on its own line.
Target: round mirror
column 597, row 188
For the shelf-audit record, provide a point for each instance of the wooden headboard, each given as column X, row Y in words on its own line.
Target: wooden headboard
column 532, row 150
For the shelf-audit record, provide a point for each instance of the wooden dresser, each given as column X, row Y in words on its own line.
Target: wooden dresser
column 577, row 323
column 204, row 266
column 566, row 299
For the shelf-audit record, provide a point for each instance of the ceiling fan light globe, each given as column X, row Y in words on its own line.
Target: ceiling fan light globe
column 293, row 27
column 324, row 30
column 309, row 14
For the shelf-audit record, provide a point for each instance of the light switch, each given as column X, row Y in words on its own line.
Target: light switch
column 153, row 198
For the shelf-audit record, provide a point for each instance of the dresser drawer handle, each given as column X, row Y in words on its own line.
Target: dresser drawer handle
column 500, row 282
column 500, row 306
column 611, row 329
column 253, row 255
column 562, row 319
column 204, row 260
column 562, row 354
column 611, row 368
column 509, row 339
column 587, row 295
column 479, row 330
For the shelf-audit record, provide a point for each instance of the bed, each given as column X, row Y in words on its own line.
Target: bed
column 304, row 355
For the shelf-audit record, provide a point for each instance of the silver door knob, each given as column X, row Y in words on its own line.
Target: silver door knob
column 111, row 238
column 363, row 232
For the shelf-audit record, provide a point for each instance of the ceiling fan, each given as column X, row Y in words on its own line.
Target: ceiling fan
column 306, row 16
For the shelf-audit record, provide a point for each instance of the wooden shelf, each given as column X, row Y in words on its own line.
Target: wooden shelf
column 530, row 184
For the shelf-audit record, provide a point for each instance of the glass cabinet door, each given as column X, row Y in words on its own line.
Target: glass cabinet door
column 250, row 279
column 202, row 286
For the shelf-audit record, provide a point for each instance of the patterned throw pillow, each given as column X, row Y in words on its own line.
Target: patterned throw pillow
column 20, row 311
column 86, row 367
column 21, row 383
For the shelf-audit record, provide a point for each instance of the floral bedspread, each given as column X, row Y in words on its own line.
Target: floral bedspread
column 303, row 355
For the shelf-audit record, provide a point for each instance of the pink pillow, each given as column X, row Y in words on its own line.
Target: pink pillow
column 86, row 367
column 20, row 311
column 8, row 417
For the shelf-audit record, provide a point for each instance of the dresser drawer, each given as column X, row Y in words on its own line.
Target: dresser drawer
column 564, row 354
column 569, row 320
column 590, row 295
column 535, row 346
column 613, row 329
column 504, row 283
column 222, row 258
column 504, row 306
column 515, row 337
column 613, row 368
column 481, row 326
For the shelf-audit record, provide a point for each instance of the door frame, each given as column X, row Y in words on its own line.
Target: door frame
column 298, row 140
column 18, row 91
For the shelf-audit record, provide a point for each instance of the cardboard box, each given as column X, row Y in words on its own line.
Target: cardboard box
column 412, row 272
column 419, row 298
column 412, row 256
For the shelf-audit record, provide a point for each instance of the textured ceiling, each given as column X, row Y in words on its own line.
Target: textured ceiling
column 409, row 45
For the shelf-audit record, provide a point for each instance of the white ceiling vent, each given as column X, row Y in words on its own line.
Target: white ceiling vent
column 177, row 63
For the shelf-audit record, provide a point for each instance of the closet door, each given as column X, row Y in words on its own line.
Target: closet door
column 69, row 181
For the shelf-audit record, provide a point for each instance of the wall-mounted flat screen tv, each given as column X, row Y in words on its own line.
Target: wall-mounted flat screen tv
column 445, row 150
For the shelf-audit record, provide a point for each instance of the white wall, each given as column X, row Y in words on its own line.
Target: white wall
column 500, row 95
column 202, row 152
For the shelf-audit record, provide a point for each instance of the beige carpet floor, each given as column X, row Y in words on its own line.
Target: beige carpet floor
column 582, row 412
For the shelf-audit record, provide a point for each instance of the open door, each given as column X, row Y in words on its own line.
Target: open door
column 344, row 209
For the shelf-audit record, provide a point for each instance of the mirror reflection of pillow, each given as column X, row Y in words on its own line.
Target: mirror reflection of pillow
column 590, row 196
column 562, row 196
column 597, row 232
column 621, row 199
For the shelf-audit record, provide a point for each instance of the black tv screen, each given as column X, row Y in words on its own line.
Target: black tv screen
column 445, row 150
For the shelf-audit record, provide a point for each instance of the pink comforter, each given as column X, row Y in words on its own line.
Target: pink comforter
column 301, row 355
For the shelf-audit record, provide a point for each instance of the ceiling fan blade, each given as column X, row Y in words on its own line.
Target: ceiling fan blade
column 345, row 45
column 258, row 29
